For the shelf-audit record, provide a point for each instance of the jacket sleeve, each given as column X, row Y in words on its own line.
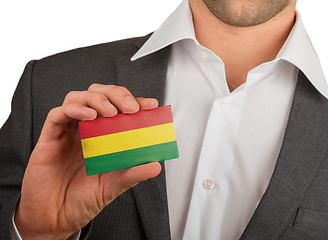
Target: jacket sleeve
column 15, row 149
column 16, row 145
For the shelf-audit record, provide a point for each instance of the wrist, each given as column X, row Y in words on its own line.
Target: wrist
column 25, row 233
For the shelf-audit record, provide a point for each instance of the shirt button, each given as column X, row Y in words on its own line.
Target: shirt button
column 224, row 104
column 208, row 184
column 203, row 55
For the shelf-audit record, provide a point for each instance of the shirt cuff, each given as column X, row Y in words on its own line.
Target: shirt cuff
column 16, row 236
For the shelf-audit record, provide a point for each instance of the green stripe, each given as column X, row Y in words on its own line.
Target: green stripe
column 131, row 158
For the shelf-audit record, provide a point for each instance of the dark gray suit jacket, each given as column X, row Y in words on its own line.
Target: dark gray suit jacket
column 295, row 205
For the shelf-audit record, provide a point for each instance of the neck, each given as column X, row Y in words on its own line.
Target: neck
column 241, row 48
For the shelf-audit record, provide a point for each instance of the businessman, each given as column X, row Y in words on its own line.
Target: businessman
column 250, row 109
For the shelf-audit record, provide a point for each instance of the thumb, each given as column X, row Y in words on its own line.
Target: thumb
column 127, row 178
column 137, row 174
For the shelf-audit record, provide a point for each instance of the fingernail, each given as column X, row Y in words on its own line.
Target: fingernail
column 86, row 109
column 111, row 110
column 91, row 113
column 130, row 101
column 107, row 104
column 153, row 101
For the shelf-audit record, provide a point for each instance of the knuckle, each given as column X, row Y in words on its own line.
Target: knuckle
column 53, row 111
column 140, row 99
column 121, row 90
column 93, row 86
column 94, row 96
column 71, row 95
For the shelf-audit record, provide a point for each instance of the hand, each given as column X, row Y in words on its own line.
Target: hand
column 57, row 197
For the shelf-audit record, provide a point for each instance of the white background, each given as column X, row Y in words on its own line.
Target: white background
column 37, row 28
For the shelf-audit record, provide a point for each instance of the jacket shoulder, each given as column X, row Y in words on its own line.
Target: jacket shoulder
column 78, row 68
column 52, row 77
column 96, row 53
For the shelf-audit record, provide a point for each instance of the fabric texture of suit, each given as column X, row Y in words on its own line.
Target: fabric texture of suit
column 294, row 206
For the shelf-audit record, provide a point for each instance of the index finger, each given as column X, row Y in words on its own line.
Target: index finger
column 119, row 96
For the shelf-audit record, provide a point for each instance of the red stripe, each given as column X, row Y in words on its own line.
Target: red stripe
column 125, row 122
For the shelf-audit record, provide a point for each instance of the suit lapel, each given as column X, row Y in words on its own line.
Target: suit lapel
column 146, row 77
column 303, row 148
column 151, row 200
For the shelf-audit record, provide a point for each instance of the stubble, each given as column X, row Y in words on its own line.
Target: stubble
column 245, row 13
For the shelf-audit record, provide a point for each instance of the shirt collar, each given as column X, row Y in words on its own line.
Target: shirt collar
column 297, row 49
column 176, row 27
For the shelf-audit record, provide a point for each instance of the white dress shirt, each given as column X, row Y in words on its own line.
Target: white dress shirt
column 228, row 141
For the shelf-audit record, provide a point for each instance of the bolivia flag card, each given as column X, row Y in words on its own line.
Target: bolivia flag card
column 128, row 140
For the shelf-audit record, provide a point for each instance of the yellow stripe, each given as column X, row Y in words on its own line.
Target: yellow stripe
column 127, row 140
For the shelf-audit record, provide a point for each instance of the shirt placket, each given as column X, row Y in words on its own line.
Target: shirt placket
column 217, row 155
